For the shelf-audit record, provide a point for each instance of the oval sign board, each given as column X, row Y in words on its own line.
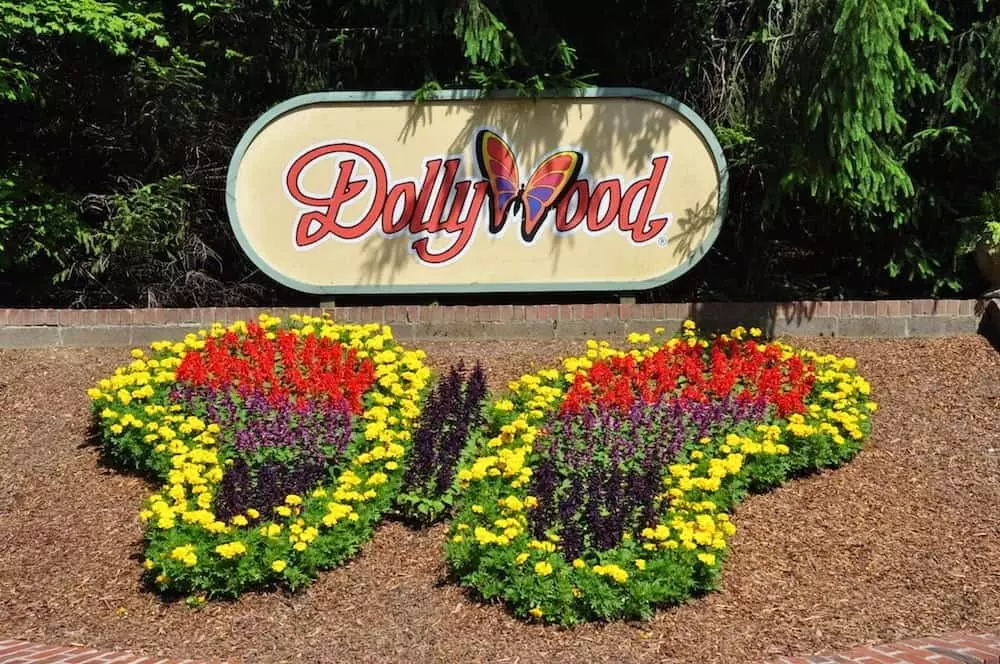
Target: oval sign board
column 369, row 192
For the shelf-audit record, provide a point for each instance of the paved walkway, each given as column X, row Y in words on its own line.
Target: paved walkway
column 954, row 648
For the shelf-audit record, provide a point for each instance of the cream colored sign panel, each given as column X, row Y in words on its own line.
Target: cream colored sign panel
column 369, row 193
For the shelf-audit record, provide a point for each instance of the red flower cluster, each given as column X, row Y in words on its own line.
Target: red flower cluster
column 726, row 367
column 285, row 368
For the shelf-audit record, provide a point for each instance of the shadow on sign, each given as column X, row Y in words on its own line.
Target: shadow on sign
column 539, row 125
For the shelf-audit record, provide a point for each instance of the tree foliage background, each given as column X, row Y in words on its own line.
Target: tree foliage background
column 863, row 136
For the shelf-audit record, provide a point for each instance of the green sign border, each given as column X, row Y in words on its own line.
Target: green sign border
column 450, row 95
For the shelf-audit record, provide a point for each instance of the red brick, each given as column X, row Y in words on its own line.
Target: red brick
column 518, row 312
column 823, row 309
column 677, row 310
column 81, row 656
column 870, row 656
column 914, row 655
column 8, row 648
column 65, row 656
column 949, row 307
column 647, row 311
column 37, row 651
column 991, row 656
column 531, row 312
column 67, row 317
column 46, row 316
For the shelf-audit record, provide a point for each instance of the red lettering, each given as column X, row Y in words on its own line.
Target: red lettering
column 457, row 205
column 401, row 191
column 447, row 182
column 581, row 192
column 315, row 225
column 642, row 228
column 431, row 170
column 595, row 221
column 465, row 227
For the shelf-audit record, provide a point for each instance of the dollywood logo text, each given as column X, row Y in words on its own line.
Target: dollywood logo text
column 441, row 202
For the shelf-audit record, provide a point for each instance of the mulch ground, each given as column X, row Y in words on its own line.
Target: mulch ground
column 903, row 541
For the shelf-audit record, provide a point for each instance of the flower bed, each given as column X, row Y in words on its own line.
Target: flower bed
column 602, row 489
column 278, row 446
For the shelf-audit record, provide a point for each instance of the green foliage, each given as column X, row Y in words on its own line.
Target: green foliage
column 853, row 112
column 982, row 228
column 37, row 221
column 859, row 133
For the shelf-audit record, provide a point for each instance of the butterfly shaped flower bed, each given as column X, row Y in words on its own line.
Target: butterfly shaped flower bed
column 279, row 445
column 601, row 489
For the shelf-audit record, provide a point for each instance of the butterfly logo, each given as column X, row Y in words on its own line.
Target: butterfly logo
column 507, row 193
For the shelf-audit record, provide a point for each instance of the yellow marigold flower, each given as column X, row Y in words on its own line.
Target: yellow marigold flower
column 536, row 612
column 543, row 568
column 707, row 558
column 521, row 558
column 279, row 566
column 377, row 478
column 293, row 499
column 579, row 564
column 640, row 563
column 283, row 510
column 252, row 513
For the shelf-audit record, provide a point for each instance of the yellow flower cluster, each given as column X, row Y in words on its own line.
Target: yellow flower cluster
column 690, row 526
column 613, row 571
column 134, row 408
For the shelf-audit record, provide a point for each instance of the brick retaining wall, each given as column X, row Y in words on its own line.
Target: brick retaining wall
column 884, row 318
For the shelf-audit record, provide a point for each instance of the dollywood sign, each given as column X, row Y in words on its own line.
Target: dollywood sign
column 369, row 192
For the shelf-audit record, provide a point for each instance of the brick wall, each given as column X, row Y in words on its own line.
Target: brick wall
column 885, row 318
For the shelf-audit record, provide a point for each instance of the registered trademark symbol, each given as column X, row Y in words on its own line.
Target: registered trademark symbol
column 662, row 241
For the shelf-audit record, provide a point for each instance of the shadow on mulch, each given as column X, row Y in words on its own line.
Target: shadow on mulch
column 902, row 541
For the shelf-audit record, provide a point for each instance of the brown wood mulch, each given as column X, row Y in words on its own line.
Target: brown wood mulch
column 902, row 542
